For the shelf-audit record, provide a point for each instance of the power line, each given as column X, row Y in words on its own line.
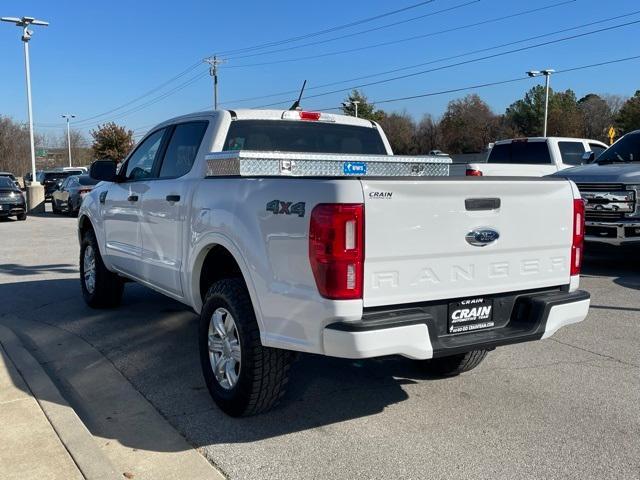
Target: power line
column 327, row 30
column 491, row 84
column 441, row 59
column 402, row 40
column 361, row 32
column 465, row 62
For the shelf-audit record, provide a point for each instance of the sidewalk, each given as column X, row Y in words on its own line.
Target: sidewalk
column 31, row 449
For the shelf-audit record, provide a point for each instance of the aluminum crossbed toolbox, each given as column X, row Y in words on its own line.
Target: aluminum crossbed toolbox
column 244, row 163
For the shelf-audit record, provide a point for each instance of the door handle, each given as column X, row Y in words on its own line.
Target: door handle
column 132, row 198
column 173, row 198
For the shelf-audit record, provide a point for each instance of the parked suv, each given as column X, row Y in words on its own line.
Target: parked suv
column 535, row 156
column 610, row 186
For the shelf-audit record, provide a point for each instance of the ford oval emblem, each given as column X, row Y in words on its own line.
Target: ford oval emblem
column 481, row 237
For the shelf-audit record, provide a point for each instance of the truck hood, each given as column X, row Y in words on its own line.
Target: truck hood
column 611, row 172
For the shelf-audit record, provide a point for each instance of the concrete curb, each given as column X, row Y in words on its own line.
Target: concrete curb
column 70, row 429
column 125, row 426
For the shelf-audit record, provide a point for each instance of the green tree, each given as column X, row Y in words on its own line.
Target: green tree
column 366, row 109
column 628, row 118
column 111, row 141
column 564, row 119
column 467, row 125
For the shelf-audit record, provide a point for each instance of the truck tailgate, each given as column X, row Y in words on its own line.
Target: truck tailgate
column 416, row 246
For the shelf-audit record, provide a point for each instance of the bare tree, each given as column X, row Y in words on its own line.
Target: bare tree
column 80, row 147
column 614, row 101
column 467, row 125
column 426, row 136
column 400, row 129
column 596, row 116
column 15, row 152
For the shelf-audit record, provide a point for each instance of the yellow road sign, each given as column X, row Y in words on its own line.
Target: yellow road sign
column 611, row 134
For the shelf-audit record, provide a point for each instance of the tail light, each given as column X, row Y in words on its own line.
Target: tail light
column 84, row 190
column 336, row 249
column 472, row 172
column 577, row 244
column 310, row 115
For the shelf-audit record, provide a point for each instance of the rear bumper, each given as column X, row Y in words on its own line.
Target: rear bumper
column 613, row 233
column 419, row 332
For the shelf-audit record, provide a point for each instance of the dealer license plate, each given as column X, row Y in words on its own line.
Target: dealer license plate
column 470, row 315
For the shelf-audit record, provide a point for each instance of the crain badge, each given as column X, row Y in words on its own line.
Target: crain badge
column 481, row 237
column 381, row 195
column 354, row 168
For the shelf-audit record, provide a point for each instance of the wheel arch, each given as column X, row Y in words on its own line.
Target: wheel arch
column 216, row 260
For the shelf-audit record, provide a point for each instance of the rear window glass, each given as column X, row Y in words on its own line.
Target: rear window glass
column 627, row 149
column 533, row 153
column 596, row 149
column 571, row 152
column 53, row 176
column 303, row 136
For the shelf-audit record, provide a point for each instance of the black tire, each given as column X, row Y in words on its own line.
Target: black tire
column 22, row 217
column 54, row 207
column 455, row 364
column 263, row 372
column 108, row 287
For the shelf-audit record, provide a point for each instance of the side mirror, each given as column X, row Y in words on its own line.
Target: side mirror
column 587, row 157
column 104, row 170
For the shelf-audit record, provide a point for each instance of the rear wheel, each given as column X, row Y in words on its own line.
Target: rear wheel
column 100, row 287
column 54, row 206
column 243, row 377
column 454, row 364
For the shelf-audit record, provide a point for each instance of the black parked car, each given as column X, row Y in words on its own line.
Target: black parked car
column 68, row 197
column 51, row 179
column 12, row 202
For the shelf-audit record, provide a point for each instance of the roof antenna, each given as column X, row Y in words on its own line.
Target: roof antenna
column 296, row 104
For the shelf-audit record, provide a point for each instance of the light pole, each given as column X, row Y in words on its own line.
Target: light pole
column 547, row 76
column 68, row 116
column 354, row 103
column 35, row 194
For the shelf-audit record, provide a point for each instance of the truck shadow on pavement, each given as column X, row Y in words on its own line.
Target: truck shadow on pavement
column 152, row 341
column 621, row 263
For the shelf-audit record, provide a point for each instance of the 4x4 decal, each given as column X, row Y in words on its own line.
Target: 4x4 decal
column 279, row 207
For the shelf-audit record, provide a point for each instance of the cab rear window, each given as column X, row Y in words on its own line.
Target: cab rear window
column 299, row 136
column 528, row 153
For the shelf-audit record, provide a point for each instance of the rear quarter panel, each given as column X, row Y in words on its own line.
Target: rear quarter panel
column 272, row 251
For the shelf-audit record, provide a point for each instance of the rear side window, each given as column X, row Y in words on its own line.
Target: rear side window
column 596, row 149
column 87, row 180
column 571, row 152
column 182, row 149
column 303, row 136
column 521, row 153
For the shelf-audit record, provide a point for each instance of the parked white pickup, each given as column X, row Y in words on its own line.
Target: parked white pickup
column 300, row 231
column 535, row 156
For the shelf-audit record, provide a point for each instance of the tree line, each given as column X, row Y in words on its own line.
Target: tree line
column 468, row 124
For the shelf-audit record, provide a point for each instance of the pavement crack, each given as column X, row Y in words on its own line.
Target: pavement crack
column 609, row 357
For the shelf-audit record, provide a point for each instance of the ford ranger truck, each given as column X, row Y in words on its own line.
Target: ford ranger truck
column 610, row 187
column 294, row 231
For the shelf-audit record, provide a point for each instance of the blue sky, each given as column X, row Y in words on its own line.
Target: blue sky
column 98, row 56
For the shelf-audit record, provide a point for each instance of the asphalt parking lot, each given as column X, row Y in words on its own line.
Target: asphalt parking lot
column 567, row 407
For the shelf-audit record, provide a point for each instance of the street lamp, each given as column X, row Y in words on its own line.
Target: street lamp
column 24, row 22
column 68, row 116
column 352, row 102
column 547, row 76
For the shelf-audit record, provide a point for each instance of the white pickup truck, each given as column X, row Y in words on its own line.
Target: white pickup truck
column 535, row 156
column 293, row 231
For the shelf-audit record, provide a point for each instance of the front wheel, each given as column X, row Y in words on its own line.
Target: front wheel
column 100, row 287
column 22, row 216
column 243, row 377
column 454, row 364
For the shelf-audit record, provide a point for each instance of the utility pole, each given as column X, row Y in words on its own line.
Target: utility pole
column 35, row 192
column 213, row 71
column 68, row 116
column 547, row 76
